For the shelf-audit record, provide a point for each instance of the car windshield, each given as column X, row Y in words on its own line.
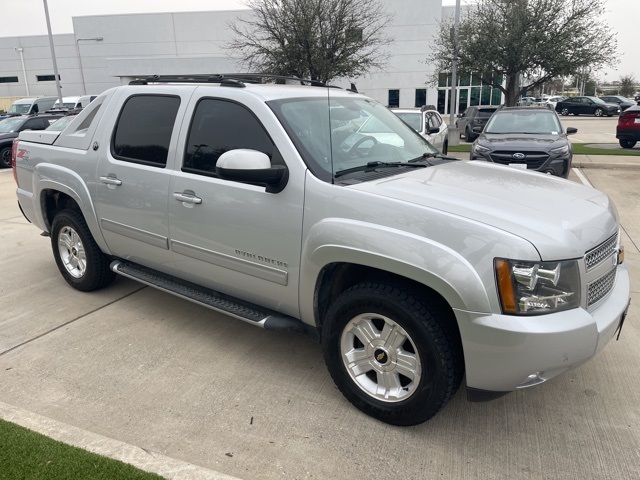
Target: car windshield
column 414, row 119
column 529, row 122
column 19, row 108
column 338, row 133
column 10, row 124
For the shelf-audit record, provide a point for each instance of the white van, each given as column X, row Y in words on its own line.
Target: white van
column 28, row 106
column 74, row 102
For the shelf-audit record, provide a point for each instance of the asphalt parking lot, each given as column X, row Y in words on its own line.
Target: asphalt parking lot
column 140, row 375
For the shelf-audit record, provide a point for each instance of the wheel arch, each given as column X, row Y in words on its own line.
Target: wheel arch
column 54, row 196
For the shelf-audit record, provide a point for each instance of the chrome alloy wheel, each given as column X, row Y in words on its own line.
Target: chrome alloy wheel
column 72, row 252
column 380, row 357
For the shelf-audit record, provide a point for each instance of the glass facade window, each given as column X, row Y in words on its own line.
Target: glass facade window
column 394, row 99
column 46, row 78
column 8, row 79
column 421, row 97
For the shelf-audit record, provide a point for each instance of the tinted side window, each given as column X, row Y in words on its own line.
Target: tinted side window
column 217, row 127
column 143, row 131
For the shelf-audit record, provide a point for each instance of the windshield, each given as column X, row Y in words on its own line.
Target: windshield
column 10, row 124
column 337, row 133
column 413, row 119
column 19, row 108
column 533, row 122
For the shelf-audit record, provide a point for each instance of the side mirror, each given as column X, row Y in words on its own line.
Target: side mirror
column 433, row 130
column 477, row 129
column 251, row 166
column 571, row 130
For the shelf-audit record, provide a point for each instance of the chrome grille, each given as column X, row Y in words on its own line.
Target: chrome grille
column 601, row 252
column 597, row 289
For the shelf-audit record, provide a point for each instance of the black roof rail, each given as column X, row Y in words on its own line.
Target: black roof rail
column 228, row 79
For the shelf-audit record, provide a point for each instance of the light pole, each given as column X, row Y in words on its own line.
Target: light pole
column 53, row 52
column 95, row 39
column 20, row 50
column 454, row 65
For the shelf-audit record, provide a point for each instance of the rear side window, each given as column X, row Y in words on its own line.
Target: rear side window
column 217, row 127
column 143, row 132
column 486, row 112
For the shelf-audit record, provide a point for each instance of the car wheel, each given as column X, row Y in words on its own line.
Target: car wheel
column 598, row 112
column 80, row 261
column 445, row 148
column 393, row 355
column 564, row 112
column 5, row 157
column 627, row 143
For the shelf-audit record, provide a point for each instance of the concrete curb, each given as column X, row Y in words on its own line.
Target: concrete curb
column 167, row 467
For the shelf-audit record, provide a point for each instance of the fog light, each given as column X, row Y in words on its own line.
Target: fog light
column 533, row 379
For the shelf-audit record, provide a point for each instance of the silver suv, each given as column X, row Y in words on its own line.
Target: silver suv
column 318, row 210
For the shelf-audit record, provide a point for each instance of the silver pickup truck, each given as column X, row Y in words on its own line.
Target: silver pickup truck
column 317, row 210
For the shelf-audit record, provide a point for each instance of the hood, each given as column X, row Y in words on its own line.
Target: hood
column 516, row 141
column 561, row 218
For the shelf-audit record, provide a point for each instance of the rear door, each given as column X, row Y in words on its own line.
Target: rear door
column 132, row 178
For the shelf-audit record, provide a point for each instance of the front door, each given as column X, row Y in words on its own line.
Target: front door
column 230, row 236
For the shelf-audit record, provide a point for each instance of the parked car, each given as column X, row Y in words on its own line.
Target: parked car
column 526, row 101
column 623, row 102
column 528, row 138
column 12, row 126
column 411, row 270
column 551, row 102
column 628, row 128
column 61, row 123
column 73, row 103
column 472, row 118
column 587, row 106
column 428, row 123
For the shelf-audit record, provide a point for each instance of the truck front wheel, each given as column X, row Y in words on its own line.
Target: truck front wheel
column 391, row 353
column 80, row 261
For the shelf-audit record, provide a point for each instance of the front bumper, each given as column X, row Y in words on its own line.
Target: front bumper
column 504, row 353
column 558, row 165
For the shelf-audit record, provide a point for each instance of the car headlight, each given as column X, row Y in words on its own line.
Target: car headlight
column 477, row 148
column 561, row 150
column 534, row 288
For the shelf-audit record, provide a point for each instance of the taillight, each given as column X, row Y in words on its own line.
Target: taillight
column 14, row 151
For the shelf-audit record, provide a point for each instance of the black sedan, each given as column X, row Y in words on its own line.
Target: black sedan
column 11, row 127
column 587, row 106
column 528, row 138
column 619, row 100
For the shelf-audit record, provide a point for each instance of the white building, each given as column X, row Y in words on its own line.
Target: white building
column 110, row 50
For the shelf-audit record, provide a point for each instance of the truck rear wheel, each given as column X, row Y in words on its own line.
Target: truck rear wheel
column 392, row 354
column 80, row 261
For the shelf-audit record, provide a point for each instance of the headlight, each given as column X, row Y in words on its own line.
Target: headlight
column 477, row 148
column 561, row 151
column 534, row 288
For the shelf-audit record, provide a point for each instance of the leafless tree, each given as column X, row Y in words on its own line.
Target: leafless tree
column 315, row 39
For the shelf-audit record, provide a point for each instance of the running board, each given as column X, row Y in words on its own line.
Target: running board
column 245, row 311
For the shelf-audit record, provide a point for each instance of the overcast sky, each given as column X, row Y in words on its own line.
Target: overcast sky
column 26, row 17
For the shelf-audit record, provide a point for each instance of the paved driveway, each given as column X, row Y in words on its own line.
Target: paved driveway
column 134, row 364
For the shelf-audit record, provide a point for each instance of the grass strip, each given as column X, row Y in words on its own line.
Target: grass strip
column 27, row 455
column 578, row 149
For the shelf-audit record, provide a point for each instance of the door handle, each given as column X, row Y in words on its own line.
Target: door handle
column 187, row 197
column 111, row 180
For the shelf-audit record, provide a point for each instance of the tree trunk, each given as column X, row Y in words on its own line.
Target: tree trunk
column 511, row 94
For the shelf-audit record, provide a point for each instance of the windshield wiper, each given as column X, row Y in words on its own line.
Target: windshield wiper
column 372, row 166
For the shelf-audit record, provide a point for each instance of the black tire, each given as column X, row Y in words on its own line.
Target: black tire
column 445, row 147
column 80, row 261
column 626, row 143
column 424, row 335
column 564, row 112
column 598, row 112
column 5, row 157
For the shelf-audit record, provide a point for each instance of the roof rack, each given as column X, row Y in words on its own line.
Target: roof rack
column 227, row 79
